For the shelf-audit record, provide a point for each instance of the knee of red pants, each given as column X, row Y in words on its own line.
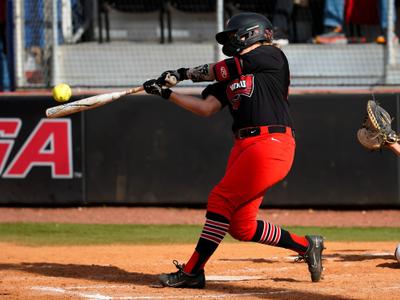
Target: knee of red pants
column 243, row 232
column 219, row 204
column 242, row 217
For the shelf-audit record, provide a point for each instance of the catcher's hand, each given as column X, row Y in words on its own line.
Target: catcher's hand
column 376, row 131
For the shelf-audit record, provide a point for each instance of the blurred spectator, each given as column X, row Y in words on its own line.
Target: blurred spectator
column 4, row 75
column 334, row 19
column 3, row 21
column 34, row 40
column 333, row 23
column 278, row 11
column 38, row 37
column 317, row 18
column 281, row 19
column 383, row 17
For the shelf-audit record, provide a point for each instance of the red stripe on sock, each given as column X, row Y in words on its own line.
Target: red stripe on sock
column 212, row 238
column 278, row 235
column 301, row 240
column 217, row 224
column 217, row 231
column 191, row 263
column 264, row 232
column 271, row 234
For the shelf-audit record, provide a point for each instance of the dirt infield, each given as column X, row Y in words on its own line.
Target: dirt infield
column 236, row 271
column 352, row 271
column 140, row 215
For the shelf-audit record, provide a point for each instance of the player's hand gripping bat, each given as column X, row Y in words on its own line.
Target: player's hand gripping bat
column 88, row 103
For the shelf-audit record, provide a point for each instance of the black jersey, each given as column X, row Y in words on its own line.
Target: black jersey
column 256, row 89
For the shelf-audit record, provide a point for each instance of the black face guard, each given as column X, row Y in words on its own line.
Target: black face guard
column 237, row 41
column 233, row 45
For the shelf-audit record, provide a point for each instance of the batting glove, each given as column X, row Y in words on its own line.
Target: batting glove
column 152, row 87
column 166, row 80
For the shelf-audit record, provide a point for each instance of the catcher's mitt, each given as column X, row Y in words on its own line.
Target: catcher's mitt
column 376, row 131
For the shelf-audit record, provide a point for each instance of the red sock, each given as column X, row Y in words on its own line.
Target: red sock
column 214, row 231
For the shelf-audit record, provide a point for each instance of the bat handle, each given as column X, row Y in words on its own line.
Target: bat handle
column 135, row 90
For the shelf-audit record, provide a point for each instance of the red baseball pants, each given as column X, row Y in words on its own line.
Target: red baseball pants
column 255, row 164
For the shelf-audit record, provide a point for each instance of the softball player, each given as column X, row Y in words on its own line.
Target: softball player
column 253, row 83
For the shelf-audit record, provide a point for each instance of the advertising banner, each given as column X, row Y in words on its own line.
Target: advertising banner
column 40, row 158
column 142, row 150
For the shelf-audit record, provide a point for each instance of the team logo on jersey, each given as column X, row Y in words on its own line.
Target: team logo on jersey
column 243, row 86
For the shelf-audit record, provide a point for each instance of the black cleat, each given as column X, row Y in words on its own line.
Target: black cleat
column 313, row 256
column 180, row 279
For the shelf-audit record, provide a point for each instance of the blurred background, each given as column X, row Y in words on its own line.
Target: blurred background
column 98, row 44
column 144, row 151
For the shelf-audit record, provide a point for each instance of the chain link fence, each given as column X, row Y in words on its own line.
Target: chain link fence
column 99, row 43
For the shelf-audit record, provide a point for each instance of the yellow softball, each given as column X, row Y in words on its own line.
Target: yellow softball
column 62, row 92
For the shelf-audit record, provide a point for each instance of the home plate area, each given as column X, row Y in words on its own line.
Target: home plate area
column 352, row 270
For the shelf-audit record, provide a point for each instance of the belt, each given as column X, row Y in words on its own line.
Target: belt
column 254, row 131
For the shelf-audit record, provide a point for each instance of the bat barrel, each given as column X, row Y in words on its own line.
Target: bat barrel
column 88, row 103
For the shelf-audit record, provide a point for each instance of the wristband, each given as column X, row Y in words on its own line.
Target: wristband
column 207, row 91
column 166, row 93
column 182, row 74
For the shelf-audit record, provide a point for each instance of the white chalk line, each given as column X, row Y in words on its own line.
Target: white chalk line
column 378, row 254
column 216, row 296
column 366, row 254
column 396, row 287
column 72, row 291
column 232, row 278
column 56, row 290
column 79, row 287
column 98, row 296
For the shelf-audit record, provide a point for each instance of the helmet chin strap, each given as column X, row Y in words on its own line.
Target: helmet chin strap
column 251, row 47
column 230, row 50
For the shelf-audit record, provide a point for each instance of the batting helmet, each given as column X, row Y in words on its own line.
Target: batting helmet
column 242, row 31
